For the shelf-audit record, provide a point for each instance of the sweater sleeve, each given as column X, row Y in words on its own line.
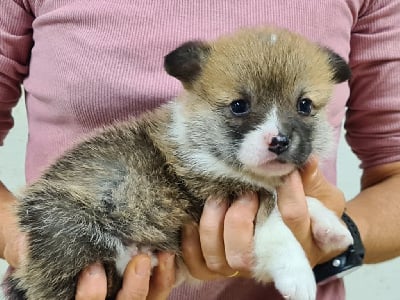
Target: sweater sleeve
column 373, row 114
column 15, row 46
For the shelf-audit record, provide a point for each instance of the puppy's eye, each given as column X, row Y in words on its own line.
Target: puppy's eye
column 304, row 106
column 240, row 107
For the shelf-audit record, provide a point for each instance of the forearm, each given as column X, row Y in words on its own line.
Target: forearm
column 376, row 212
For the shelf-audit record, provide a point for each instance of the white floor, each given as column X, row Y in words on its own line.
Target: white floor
column 369, row 283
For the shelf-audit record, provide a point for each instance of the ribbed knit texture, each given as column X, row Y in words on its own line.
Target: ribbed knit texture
column 87, row 63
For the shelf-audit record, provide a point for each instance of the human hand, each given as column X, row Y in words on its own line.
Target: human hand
column 293, row 206
column 138, row 283
column 222, row 244
column 12, row 241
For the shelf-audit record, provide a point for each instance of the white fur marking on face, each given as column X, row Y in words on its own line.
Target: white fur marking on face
column 254, row 148
column 202, row 161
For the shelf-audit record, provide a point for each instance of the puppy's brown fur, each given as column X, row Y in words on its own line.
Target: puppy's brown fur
column 139, row 182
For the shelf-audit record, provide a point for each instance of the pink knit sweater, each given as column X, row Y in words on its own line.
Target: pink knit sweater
column 85, row 63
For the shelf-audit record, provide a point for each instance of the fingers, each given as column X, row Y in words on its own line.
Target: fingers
column 292, row 205
column 139, row 284
column 163, row 279
column 211, row 231
column 193, row 255
column 224, row 242
column 316, row 185
column 239, row 232
column 136, row 280
column 311, row 182
column 92, row 283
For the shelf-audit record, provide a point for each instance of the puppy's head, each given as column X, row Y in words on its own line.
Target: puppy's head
column 254, row 100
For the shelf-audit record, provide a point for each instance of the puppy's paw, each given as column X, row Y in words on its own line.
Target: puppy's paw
column 280, row 257
column 297, row 286
column 328, row 231
column 331, row 235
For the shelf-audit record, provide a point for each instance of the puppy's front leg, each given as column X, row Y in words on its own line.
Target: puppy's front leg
column 279, row 257
column 328, row 231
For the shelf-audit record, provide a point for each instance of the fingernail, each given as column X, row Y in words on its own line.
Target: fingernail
column 246, row 198
column 214, row 202
column 143, row 266
column 95, row 269
column 189, row 229
column 170, row 259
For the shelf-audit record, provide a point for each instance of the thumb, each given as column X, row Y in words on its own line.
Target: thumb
column 135, row 285
column 292, row 205
column 92, row 283
column 317, row 186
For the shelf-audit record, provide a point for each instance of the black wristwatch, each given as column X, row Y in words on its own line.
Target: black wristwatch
column 346, row 262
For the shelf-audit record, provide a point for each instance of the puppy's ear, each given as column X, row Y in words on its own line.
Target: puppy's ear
column 341, row 70
column 185, row 63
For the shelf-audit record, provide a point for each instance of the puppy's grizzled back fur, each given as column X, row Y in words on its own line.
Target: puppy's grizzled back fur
column 139, row 183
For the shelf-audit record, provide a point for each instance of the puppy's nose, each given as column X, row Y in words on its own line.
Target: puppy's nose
column 279, row 144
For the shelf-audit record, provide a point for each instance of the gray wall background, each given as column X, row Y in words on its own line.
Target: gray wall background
column 381, row 281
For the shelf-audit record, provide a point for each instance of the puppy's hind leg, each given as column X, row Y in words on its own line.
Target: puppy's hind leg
column 279, row 257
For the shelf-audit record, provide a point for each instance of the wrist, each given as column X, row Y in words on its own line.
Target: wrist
column 356, row 211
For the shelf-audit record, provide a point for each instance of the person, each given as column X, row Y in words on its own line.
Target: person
column 84, row 64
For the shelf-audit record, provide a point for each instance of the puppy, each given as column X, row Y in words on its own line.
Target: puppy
column 252, row 110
